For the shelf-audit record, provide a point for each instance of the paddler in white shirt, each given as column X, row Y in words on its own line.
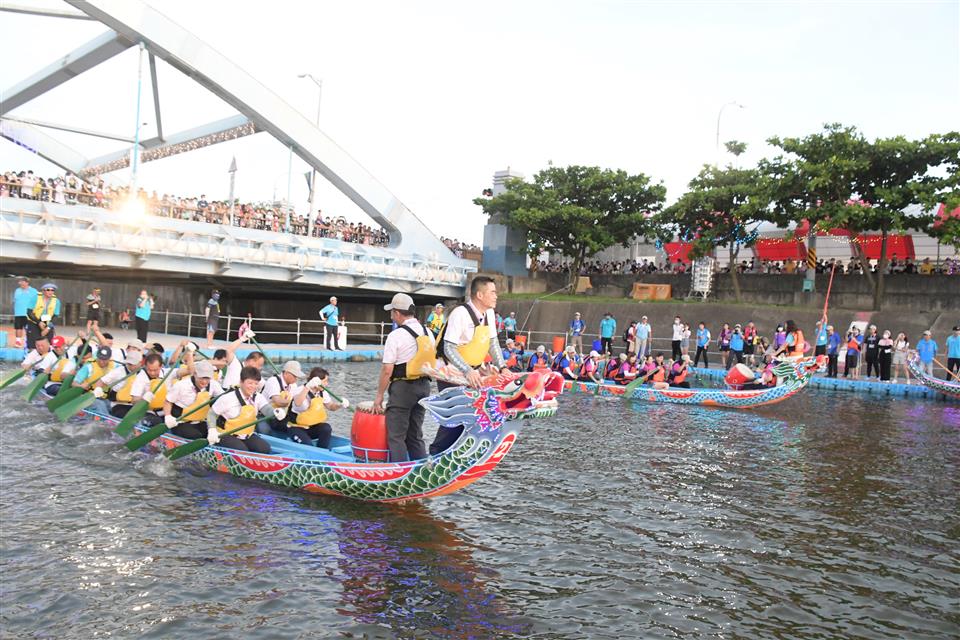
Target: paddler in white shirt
column 185, row 396
column 238, row 408
column 115, row 386
column 465, row 341
column 307, row 420
column 40, row 358
column 231, row 374
column 280, row 390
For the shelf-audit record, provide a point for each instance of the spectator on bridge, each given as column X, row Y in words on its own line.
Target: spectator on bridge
column 212, row 314
column 142, row 314
column 330, row 315
column 24, row 298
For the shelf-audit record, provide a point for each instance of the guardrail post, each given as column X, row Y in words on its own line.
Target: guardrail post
column 298, row 330
column 382, row 326
column 166, row 321
column 229, row 320
column 189, row 322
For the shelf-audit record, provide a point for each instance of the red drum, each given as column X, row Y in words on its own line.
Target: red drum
column 739, row 375
column 368, row 434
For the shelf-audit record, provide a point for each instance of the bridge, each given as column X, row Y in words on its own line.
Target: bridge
column 77, row 237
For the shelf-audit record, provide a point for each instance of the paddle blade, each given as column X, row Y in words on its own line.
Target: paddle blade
column 69, row 409
column 133, row 416
column 34, row 387
column 13, row 377
column 64, row 396
column 633, row 386
column 146, row 437
column 186, row 449
column 65, row 384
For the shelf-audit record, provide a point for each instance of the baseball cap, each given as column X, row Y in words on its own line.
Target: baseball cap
column 293, row 367
column 400, row 302
column 571, row 348
column 541, row 349
column 594, row 354
column 135, row 344
column 133, row 358
column 957, row 328
column 438, row 306
column 57, row 341
column 623, row 356
column 204, row 369
column 927, row 333
column 104, row 353
column 24, row 278
column 49, row 285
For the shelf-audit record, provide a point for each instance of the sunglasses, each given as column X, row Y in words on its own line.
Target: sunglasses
column 49, row 289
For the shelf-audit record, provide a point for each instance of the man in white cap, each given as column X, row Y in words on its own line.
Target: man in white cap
column 40, row 319
column 539, row 359
column 400, row 372
column 436, row 319
column 569, row 364
column 279, row 389
column 186, row 393
column 330, row 315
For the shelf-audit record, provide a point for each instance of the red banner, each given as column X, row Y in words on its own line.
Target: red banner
column 778, row 249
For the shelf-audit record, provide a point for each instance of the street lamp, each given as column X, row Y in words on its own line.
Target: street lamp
column 313, row 177
column 732, row 103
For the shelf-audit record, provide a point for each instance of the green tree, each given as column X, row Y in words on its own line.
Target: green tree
column 735, row 147
column 719, row 209
column 578, row 211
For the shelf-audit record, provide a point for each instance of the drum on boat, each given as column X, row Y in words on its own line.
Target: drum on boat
column 368, row 434
column 739, row 375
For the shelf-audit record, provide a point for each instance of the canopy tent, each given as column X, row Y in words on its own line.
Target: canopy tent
column 900, row 247
column 678, row 251
column 779, row 249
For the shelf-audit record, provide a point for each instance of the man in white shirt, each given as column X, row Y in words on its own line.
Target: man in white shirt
column 198, row 387
column 231, row 375
column 280, row 390
column 241, row 406
column 401, row 372
column 114, row 383
column 40, row 358
column 677, row 338
column 469, row 335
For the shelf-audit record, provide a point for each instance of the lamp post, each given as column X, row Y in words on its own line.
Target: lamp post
column 135, row 160
column 732, row 103
column 313, row 175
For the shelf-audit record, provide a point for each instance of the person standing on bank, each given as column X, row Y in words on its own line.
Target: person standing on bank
column 142, row 315
column 406, row 349
column 93, row 310
column 330, row 314
column 40, row 318
column 469, row 335
column 212, row 314
column 24, row 298
column 577, row 327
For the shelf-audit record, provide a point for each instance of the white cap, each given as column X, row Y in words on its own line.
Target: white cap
column 293, row 367
column 541, row 349
column 400, row 302
column 203, row 369
column 571, row 348
column 594, row 354
column 135, row 344
column 133, row 358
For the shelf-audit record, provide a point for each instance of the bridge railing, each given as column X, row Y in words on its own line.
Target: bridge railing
column 78, row 227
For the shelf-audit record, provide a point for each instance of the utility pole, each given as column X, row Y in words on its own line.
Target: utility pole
column 233, row 178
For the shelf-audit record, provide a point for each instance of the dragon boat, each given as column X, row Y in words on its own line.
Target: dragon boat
column 491, row 415
column 792, row 376
column 945, row 387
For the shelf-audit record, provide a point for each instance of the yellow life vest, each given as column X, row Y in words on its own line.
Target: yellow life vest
column 200, row 415
column 159, row 389
column 56, row 374
column 315, row 413
column 248, row 413
column 474, row 352
column 437, row 322
column 123, row 394
column 97, row 372
column 41, row 309
column 426, row 354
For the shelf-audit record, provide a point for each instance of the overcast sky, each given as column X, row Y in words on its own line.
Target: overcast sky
column 433, row 97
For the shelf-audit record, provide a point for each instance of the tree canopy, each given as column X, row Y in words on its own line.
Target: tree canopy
column 578, row 211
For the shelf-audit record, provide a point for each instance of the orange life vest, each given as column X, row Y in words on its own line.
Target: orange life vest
column 798, row 344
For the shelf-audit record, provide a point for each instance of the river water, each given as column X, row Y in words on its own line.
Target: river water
column 830, row 515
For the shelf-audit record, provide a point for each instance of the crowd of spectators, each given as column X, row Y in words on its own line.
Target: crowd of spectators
column 70, row 189
column 458, row 247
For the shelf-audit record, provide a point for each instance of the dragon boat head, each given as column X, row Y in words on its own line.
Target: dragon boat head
column 501, row 397
column 798, row 369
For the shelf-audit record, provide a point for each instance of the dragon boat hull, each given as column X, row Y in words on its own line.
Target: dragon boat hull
column 946, row 387
column 800, row 374
column 482, row 446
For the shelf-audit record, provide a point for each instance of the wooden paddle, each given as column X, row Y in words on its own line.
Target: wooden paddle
column 265, row 356
column 161, row 429
column 13, row 377
column 72, row 407
column 202, row 443
column 947, row 370
column 140, row 409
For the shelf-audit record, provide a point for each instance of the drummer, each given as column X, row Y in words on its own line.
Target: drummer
column 238, row 408
column 186, row 395
column 309, row 422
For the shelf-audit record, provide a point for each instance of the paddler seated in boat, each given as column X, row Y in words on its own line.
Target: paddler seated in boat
column 628, row 370
column 148, row 385
column 590, row 369
column 236, row 409
column 569, row 365
column 513, row 356
column 91, row 372
column 115, row 387
column 280, row 389
column 678, row 372
column 64, row 365
column 188, row 394
column 613, row 365
column 539, row 360
column 469, row 336
column 309, row 423
column 655, row 376
column 41, row 357
column 765, row 378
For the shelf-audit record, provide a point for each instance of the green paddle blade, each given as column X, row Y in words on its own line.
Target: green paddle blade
column 186, row 449
column 65, row 396
column 633, row 386
column 34, row 387
column 146, row 437
column 13, row 377
column 69, row 409
column 65, row 383
column 133, row 416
